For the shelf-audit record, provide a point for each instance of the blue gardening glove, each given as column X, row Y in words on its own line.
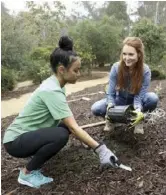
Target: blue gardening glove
column 107, row 158
column 139, row 116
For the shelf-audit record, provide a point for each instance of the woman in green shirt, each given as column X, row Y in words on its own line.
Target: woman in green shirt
column 37, row 132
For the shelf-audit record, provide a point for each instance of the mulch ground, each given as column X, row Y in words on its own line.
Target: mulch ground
column 76, row 170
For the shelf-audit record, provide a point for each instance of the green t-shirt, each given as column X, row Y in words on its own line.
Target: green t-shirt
column 45, row 108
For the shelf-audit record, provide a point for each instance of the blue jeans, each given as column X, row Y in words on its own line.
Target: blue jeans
column 149, row 103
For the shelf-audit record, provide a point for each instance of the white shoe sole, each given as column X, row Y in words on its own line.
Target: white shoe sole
column 138, row 131
column 23, row 182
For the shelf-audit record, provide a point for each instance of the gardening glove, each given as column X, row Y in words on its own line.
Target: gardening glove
column 110, row 105
column 139, row 116
column 107, row 158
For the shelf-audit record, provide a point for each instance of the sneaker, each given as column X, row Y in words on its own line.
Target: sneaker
column 139, row 129
column 34, row 179
column 109, row 126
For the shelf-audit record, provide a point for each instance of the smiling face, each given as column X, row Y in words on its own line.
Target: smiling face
column 129, row 55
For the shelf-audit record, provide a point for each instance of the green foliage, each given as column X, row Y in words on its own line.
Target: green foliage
column 158, row 74
column 118, row 9
column 40, row 53
column 39, row 69
column 16, row 41
column 15, row 44
column 153, row 39
column 98, row 39
column 29, row 37
column 86, row 55
column 46, row 21
column 81, row 45
column 8, row 79
column 163, row 63
column 107, row 44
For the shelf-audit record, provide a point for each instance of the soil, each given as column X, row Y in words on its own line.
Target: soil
column 76, row 170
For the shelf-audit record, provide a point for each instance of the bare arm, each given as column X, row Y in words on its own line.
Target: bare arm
column 105, row 155
column 82, row 135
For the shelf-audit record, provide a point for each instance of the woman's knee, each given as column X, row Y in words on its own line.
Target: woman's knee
column 99, row 108
column 94, row 109
column 150, row 101
column 63, row 134
column 152, row 98
column 59, row 136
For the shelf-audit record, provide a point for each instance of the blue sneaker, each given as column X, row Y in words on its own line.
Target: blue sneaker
column 34, row 179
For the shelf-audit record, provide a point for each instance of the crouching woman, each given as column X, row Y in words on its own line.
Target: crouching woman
column 129, row 81
column 43, row 127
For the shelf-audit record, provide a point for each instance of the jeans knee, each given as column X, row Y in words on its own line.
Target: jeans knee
column 93, row 109
column 150, row 101
column 97, row 111
column 153, row 98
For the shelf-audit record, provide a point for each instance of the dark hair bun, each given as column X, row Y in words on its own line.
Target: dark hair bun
column 66, row 43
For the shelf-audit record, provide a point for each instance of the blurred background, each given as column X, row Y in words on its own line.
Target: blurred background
column 31, row 30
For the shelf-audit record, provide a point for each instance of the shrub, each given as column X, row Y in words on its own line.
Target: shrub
column 8, row 79
column 39, row 68
column 157, row 74
column 39, row 71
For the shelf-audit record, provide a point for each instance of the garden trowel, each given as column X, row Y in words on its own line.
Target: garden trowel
column 118, row 164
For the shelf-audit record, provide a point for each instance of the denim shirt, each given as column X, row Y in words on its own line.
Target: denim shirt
column 112, row 93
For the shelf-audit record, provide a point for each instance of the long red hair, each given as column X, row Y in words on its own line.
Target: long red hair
column 137, row 72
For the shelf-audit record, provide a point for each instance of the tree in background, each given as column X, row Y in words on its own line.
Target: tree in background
column 47, row 21
column 82, row 46
column 118, row 9
column 40, row 68
column 100, row 38
column 15, row 48
column 97, row 33
column 105, row 39
column 153, row 38
column 153, row 10
column 15, row 42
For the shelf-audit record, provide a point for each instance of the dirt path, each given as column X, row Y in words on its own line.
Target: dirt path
column 14, row 106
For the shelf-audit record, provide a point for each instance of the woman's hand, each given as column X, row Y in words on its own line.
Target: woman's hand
column 106, row 156
column 139, row 116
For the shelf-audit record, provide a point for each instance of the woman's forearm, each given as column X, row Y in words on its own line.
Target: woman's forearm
column 84, row 137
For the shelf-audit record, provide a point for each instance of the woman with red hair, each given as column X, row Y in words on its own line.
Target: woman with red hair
column 129, row 81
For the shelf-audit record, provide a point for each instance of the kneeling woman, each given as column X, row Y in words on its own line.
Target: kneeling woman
column 129, row 81
column 42, row 128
